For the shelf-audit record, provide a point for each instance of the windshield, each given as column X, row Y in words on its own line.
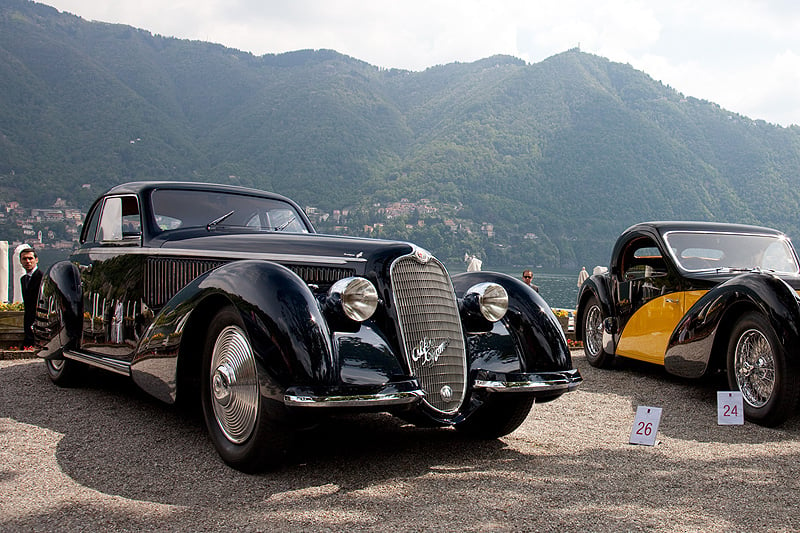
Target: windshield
column 696, row 251
column 174, row 209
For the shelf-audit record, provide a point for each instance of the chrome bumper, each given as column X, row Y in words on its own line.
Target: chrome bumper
column 544, row 383
column 397, row 394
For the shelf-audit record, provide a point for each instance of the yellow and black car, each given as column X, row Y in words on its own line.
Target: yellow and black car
column 701, row 298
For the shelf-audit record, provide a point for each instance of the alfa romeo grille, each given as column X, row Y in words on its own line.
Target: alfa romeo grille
column 430, row 327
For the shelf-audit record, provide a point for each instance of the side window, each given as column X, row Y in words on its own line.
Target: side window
column 643, row 260
column 131, row 222
column 120, row 220
column 111, row 221
column 90, row 230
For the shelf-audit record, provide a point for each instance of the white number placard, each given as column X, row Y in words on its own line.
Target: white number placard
column 645, row 425
column 730, row 408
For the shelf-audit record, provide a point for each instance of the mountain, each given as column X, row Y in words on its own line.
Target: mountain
column 556, row 157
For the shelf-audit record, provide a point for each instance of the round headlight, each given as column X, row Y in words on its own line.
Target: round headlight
column 358, row 297
column 492, row 300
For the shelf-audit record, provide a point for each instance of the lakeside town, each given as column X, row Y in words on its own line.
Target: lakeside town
column 58, row 227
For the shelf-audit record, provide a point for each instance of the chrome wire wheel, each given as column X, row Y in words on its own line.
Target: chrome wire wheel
column 234, row 385
column 754, row 366
column 593, row 330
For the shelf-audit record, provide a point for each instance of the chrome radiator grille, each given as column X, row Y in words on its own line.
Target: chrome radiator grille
column 164, row 277
column 323, row 276
column 430, row 329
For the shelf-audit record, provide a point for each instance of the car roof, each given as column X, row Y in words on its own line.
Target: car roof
column 139, row 187
column 665, row 226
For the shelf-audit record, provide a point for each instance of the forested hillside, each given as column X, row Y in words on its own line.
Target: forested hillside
column 540, row 164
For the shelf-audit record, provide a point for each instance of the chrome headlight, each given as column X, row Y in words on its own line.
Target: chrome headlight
column 357, row 298
column 490, row 299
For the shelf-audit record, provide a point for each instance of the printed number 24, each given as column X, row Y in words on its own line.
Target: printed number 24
column 730, row 410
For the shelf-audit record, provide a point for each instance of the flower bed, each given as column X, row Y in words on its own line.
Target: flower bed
column 15, row 352
column 11, row 323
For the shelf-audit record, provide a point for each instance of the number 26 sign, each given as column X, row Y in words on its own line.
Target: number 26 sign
column 645, row 425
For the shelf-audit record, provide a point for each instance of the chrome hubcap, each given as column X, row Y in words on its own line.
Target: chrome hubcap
column 221, row 384
column 594, row 330
column 234, row 385
column 754, row 364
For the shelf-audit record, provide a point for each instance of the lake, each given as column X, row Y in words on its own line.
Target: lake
column 558, row 288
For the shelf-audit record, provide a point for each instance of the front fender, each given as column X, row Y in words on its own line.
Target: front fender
column 702, row 334
column 529, row 327
column 288, row 332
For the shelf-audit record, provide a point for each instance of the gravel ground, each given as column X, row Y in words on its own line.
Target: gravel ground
column 105, row 457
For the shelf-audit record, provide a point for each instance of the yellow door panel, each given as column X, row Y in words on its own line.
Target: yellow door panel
column 647, row 333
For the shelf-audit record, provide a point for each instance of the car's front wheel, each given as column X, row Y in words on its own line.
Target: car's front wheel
column 757, row 366
column 232, row 405
column 499, row 415
column 593, row 335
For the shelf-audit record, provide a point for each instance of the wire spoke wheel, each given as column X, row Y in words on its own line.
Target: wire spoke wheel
column 754, row 364
column 594, row 329
column 757, row 366
column 593, row 334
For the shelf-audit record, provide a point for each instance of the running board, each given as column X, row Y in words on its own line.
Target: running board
column 106, row 363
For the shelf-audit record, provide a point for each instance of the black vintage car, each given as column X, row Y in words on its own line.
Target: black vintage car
column 226, row 296
column 701, row 298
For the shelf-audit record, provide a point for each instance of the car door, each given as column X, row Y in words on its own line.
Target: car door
column 651, row 301
column 111, row 263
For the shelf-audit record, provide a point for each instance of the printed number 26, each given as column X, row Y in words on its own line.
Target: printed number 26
column 645, row 428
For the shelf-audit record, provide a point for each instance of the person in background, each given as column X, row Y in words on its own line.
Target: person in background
column 582, row 276
column 30, row 283
column 527, row 277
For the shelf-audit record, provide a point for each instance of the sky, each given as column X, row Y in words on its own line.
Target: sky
column 741, row 54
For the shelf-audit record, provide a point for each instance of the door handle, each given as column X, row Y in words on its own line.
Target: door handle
column 672, row 301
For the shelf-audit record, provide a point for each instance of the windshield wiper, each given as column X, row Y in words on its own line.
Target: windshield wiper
column 216, row 221
column 285, row 224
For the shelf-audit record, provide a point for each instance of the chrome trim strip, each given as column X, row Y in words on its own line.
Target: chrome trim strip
column 112, row 365
column 206, row 254
column 545, row 381
column 359, row 400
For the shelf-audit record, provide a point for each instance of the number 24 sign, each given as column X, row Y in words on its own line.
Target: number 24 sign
column 645, row 425
column 730, row 408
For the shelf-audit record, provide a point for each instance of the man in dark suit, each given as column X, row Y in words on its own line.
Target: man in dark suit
column 30, row 290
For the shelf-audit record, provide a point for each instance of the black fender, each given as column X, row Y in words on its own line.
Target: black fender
column 597, row 285
column 536, row 333
column 59, row 320
column 287, row 330
column 699, row 342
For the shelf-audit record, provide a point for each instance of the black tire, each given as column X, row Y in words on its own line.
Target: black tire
column 499, row 415
column 757, row 366
column 63, row 372
column 593, row 335
column 233, row 408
